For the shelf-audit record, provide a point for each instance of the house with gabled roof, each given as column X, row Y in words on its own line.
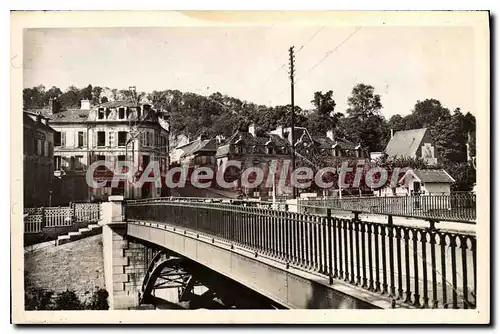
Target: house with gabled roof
column 199, row 152
column 416, row 143
column 420, row 182
column 255, row 149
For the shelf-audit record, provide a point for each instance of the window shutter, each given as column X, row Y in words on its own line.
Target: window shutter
column 63, row 138
column 84, row 139
column 94, row 138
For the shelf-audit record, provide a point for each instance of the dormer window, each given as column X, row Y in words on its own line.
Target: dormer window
column 269, row 150
column 121, row 113
column 100, row 113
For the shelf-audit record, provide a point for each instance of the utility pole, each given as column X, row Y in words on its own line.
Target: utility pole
column 292, row 86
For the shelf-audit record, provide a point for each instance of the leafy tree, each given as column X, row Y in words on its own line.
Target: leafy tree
column 428, row 112
column 463, row 173
column 34, row 98
column 323, row 118
column 368, row 126
column 397, row 123
column 363, row 102
column 96, row 95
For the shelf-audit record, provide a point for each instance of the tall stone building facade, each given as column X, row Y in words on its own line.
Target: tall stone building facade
column 38, row 151
column 112, row 131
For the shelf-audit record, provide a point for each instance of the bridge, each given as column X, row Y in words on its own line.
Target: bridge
column 256, row 255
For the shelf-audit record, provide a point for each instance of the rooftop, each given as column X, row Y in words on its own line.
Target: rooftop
column 405, row 143
column 430, row 175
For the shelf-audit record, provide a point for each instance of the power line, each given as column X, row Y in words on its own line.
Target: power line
column 310, row 39
column 301, row 47
column 329, row 53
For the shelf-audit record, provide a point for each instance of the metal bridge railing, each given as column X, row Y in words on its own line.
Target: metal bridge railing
column 424, row 267
column 452, row 207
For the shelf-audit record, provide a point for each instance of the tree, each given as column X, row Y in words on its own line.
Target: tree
column 363, row 103
column 70, row 97
column 34, row 98
column 368, row 128
column 96, row 94
column 323, row 118
column 397, row 123
column 428, row 112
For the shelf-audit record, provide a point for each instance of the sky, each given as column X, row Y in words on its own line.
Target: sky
column 403, row 64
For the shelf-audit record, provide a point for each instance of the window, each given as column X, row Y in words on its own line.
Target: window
column 121, row 158
column 80, row 139
column 39, row 147
column 78, row 162
column 145, row 161
column 100, row 113
column 57, row 139
column 269, row 150
column 122, row 138
column 101, row 138
column 121, row 113
column 57, row 162
column 101, row 158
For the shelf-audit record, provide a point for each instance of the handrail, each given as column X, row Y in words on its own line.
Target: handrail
column 320, row 206
column 422, row 266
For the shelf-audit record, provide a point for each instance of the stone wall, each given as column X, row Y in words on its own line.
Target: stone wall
column 125, row 266
column 74, row 266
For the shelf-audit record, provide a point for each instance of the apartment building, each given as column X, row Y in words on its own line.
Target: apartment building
column 112, row 131
column 38, row 144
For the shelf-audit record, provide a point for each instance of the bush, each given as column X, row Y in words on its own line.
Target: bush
column 99, row 300
column 68, row 300
column 40, row 299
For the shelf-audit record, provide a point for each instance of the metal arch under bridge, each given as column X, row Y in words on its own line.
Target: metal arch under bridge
column 168, row 270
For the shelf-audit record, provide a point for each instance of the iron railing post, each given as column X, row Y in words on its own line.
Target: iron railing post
column 329, row 238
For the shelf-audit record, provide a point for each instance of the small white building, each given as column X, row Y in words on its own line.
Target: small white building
column 421, row 182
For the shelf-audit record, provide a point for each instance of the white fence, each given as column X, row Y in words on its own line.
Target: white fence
column 36, row 219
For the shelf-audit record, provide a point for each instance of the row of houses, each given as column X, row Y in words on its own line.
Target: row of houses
column 59, row 146
column 254, row 148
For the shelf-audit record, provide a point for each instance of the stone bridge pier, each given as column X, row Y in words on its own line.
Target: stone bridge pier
column 125, row 260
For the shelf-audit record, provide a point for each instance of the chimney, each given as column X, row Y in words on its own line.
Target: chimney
column 251, row 129
column 279, row 131
column 54, row 106
column 84, row 104
column 392, row 133
column 329, row 134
